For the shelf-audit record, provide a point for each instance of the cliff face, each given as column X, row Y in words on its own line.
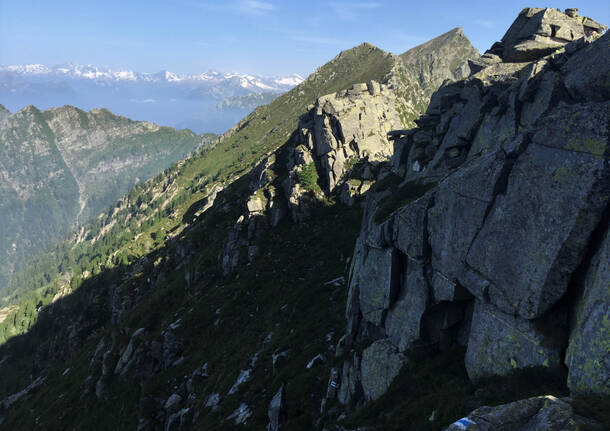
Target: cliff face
column 62, row 166
column 484, row 232
column 341, row 141
column 39, row 194
column 490, row 232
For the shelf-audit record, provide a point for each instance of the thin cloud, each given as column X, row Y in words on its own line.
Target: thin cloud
column 485, row 23
column 349, row 11
column 244, row 7
column 319, row 40
column 255, row 7
column 143, row 100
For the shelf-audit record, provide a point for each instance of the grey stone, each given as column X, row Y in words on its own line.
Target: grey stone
column 539, row 32
column 592, row 26
column 446, row 290
column 173, row 402
column 374, row 280
column 275, row 409
column 460, row 206
column 255, row 204
column 487, row 59
column 500, row 343
column 350, row 388
column 258, row 176
column 493, row 132
column 381, row 363
column 581, row 127
column 544, row 413
column 532, row 110
column 241, row 414
column 588, row 354
column 212, row 401
column 28, row 390
column 529, row 79
column 128, row 355
column 244, row 377
column 357, row 89
column 527, row 262
column 176, row 420
column 409, row 229
column 373, row 87
column 172, row 348
column 403, row 321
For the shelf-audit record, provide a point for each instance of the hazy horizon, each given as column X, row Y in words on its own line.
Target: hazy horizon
column 267, row 38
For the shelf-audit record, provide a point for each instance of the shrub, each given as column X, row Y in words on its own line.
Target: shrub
column 308, row 177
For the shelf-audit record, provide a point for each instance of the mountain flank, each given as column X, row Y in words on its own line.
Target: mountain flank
column 226, row 293
column 177, row 228
column 63, row 166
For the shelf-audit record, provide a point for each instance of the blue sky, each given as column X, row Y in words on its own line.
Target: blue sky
column 268, row 37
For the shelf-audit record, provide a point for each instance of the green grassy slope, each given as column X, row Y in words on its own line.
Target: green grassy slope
column 156, row 207
column 63, row 166
column 151, row 247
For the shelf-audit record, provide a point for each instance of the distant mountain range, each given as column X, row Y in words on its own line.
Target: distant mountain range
column 62, row 166
column 167, row 98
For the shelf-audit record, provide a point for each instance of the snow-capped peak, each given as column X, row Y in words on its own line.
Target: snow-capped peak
column 249, row 82
column 291, row 80
column 32, row 69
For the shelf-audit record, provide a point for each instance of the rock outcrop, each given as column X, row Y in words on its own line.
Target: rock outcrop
column 545, row 413
column 491, row 216
column 341, row 141
column 484, row 227
column 588, row 354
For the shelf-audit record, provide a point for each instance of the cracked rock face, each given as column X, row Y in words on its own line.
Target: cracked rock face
column 343, row 139
column 500, row 342
column 539, row 32
column 588, row 355
column 380, row 365
column 545, row 413
column 515, row 161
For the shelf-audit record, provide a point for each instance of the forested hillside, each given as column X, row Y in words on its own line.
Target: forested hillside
column 61, row 167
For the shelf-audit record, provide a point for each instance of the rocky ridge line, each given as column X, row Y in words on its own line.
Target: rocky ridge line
column 497, row 244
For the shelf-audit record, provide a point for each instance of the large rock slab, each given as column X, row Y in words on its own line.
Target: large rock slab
column 409, row 227
column 586, row 74
column 539, row 32
column 536, row 234
column 459, row 209
column 404, row 318
column 275, row 409
column 351, row 388
column 500, row 343
column 381, row 363
column 588, row 354
column 375, row 283
column 545, row 413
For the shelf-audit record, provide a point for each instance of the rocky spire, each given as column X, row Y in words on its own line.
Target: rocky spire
column 538, row 32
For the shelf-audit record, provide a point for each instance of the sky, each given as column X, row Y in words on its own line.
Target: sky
column 267, row 37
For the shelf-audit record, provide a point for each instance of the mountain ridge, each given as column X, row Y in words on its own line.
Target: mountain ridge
column 213, row 295
column 84, row 147
column 185, row 219
column 164, row 97
column 93, row 72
